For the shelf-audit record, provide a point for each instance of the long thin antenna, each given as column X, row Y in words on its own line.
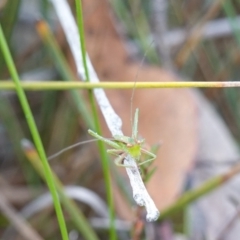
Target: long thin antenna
column 134, row 86
column 70, row 147
column 73, row 146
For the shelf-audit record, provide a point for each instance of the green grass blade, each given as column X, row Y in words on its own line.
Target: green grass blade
column 102, row 150
column 33, row 128
column 75, row 213
column 8, row 18
column 60, row 85
column 232, row 16
column 15, row 133
column 50, row 42
column 195, row 194
column 79, row 12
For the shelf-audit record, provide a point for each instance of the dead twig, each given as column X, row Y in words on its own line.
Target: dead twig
column 20, row 224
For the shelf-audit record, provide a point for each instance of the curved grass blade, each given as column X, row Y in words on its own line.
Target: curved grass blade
column 35, row 134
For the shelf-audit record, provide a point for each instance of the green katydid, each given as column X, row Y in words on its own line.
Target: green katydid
column 124, row 145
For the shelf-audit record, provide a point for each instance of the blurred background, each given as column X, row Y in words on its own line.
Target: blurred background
column 155, row 40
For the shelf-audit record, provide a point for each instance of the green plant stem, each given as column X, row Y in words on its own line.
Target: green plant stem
column 192, row 195
column 8, row 18
column 79, row 14
column 75, row 213
column 232, row 16
column 102, row 150
column 19, row 223
column 15, row 133
column 59, row 85
column 106, row 170
column 33, row 128
column 49, row 40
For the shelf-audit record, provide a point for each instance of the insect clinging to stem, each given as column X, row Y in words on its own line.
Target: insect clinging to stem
column 124, row 146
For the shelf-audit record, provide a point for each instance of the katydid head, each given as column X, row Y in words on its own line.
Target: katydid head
column 140, row 141
column 132, row 141
column 129, row 141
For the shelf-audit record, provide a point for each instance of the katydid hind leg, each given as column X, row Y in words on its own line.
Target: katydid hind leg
column 115, row 152
column 150, row 154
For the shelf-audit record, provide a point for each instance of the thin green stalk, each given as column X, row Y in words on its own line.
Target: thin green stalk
column 102, row 150
column 75, row 213
column 15, row 133
column 231, row 14
column 44, row 6
column 33, row 128
column 79, row 13
column 49, row 40
column 194, row 194
column 59, row 85
column 8, row 18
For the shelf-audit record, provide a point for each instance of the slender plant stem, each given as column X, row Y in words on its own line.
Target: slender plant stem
column 194, row 194
column 59, row 85
column 80, row 25
column 75, row 213
column 33, row 128
column 103, row 154
column 8, row 18
column 19, row 223
column 60, row 61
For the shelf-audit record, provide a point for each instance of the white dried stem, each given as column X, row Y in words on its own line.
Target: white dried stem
column 113, row 121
